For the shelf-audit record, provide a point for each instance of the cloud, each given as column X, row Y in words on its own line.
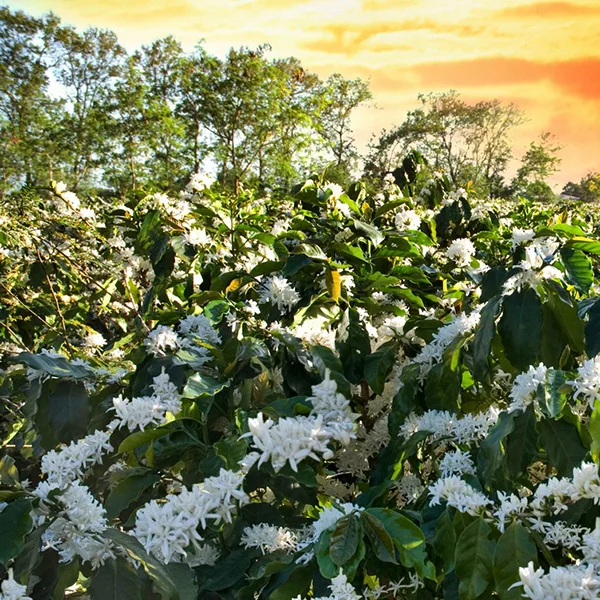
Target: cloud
column 550, row 10
column 574, row 77
column 350, row 38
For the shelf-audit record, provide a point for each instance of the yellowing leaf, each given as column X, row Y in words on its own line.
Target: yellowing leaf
column 334, row 284
column 234, row 285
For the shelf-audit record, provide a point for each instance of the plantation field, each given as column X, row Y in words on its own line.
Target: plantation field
column 385, row 391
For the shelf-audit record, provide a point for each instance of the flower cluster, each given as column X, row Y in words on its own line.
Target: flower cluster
column 169, row 529
column 292, row 439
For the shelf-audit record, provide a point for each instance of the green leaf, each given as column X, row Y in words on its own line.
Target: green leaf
column 326, row 566
column 473, row 559
column 408, row 539
column 199, row 385
column 67, row 575
column 380, row 539
column 127, row 491
column 492, row 454
column 562, row 443
column 514, row 549
column 353, row 344
column 116, row 579
column 227, row 572
column 521, row 443
column 154, row 568
column 344, row 539
column 149, row 231
column 297, row 584
column 594, row 431
column 15, row 524
column 311, row 250
column 139, row 438
column 582, row 243
column 550, row 397
column 68, row 411
column 520, row 328
column 232, row 451
column 566, row 316
column 442, row 388
column 185, row 580
column 9, row 475
column 578, row 267
column 592, row 330
column 379, row 364
column 445, row 539
column 266, row 267
column 482, row 340
column 353, row 254
column 370, row 231
column 325, row 358
column 55, row 366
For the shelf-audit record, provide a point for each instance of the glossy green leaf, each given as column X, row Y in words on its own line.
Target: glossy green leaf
column 474, row 559
column 116, row 579
column 344, row 539
column 514, row 549
column 520, row 328
column 15, row 524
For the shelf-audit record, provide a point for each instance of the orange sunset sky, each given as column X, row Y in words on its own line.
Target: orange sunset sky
column 544, row 56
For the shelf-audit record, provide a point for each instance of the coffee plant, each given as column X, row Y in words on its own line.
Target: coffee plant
column 336, row 394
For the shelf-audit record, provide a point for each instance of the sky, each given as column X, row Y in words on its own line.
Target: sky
column 543, row 56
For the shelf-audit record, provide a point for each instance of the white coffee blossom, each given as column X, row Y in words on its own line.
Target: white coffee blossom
column 462, row 430
column 293, row 439
column 511, row 506
column 461, row 251
column 576, row 582
column 70, row 463
column 587, row 383
column 169, row 529
column 520, row 236
column 162, row 340
column 199, row 326
column 268, row 538
column 12, row 589
column 459, row 494
column 75, row 532
column 197, row 237
column 525, row 387
column 457, row 463
column 278, row 290
column 406, row 219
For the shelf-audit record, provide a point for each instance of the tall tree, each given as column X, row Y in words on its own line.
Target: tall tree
column 587, row 189
column 239, row 102
column 130, row 132
column 470, row 142
column 88, row 69
column 26, row 111
column 161, row 64
column 343, row 97
column 538, row 164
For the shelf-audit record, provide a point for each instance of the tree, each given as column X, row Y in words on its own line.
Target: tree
column 539, row 162
column 130, row 132
column 248, row 108
column 587, row 189
column 342, row 98
column 161, row 63
column 27, row 114
column 89, row 66
column 470, row 142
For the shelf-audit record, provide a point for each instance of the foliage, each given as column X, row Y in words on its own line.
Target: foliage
column 340, row 394
column 75, row 107
column 467, row 142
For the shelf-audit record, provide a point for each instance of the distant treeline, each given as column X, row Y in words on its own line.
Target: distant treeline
column 76, row 107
